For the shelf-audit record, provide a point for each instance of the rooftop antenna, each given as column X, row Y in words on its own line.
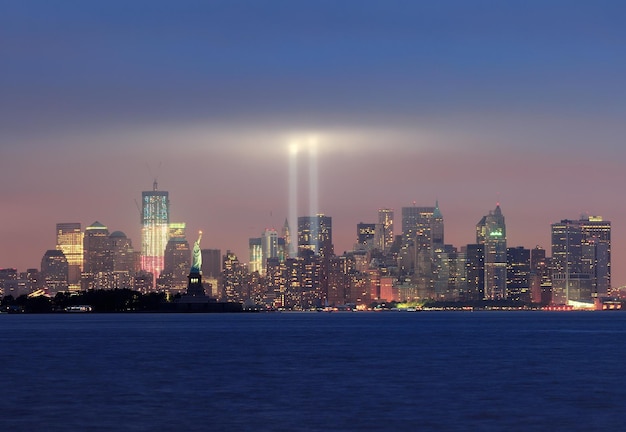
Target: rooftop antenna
column 155, row 185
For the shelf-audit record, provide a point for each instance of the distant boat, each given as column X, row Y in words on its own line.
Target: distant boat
column 79, row 308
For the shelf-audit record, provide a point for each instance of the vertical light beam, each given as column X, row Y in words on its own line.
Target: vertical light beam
column 313, row 178
column 293, row 199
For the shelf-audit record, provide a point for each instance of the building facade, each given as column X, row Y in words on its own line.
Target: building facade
column 491, row 233
column 155, row 220
column 70, row 242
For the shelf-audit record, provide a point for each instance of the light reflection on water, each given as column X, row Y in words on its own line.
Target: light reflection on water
column 308, row 371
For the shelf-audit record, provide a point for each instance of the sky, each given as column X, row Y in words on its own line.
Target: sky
column 471, row 103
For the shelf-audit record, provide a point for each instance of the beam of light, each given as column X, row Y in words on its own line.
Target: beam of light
column 293, row 199
column 313, row 185
column 313, row 177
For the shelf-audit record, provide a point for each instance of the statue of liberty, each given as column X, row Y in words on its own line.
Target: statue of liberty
column 196, row 263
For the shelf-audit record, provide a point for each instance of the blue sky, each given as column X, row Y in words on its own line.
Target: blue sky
column 468, row 102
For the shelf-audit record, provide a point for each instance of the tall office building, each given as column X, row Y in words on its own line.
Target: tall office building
column 122, row 253
column 422, row 240
column 176, row 263
column 290, row 248
column 96, row 249
column 385, row 222
column 491, row 232
column 255, row 248
column 416, row 221
column 365, row 236
column 269, row 247
column 211, row 263
column 518, row 274
column 423, row 226
column 315, row 233
column 475, row 273
column 540, row 276
column 54, row 270
column 597, row 237
column 234, row 274
column 155, row 220
column 581, row 260
column 70, row 242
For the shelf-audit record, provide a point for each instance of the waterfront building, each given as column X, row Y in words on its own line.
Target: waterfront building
column 422, row 235
column 234, row 275
column 518, row 274
column 7, row 277
column 540, row 276
column 96, row 249
column 491, row 233
column 123, row 257
column 155, row 221
column 475, row 273
column 211, row 265
column 176, row 263
column 581, row 260
column 69, row 240
column 54, row 270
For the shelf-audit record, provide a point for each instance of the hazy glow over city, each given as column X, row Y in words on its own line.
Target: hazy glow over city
column 387, row 103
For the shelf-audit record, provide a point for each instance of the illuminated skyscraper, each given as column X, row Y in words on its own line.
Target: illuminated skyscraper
column 256, row 254
column 315, row 233
column 385, row 222
column 155, row 219
column 269, row 246
column 491, row 232
column 422, row 240
column 518, row 274
column 70, row 242
column 96, row 249
column 365, row 235
column 177, row 261
column 581, row 260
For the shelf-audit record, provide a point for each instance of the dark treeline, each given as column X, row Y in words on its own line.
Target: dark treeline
column 117, row 300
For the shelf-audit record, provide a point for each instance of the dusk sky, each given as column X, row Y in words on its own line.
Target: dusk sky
column 466, row 102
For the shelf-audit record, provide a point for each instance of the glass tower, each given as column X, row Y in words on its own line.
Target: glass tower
column 155, row 220
column 70, row 242
column 491, row 233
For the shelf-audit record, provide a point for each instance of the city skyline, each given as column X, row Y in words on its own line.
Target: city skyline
column 469, row 105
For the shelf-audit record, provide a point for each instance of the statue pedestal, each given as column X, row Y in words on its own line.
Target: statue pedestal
column 195, row 287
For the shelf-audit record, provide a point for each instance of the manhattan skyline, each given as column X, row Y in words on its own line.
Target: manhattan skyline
column 467, row 104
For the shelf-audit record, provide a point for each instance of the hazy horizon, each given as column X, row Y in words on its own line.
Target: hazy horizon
column 467, row 103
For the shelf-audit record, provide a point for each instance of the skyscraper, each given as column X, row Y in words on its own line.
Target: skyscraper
column 54, row 270
column 255, row 247
column 211, row 263
column 315, row 233
column 518, row 274
column 491, row 232
column 155, row 219
column 70, row 242
column 176, row 263
column 422, row 240
column 416, row 221
column 96, row 249
column 385, row 222
column 365, row 235
column 269, row 247
column 581, row 260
